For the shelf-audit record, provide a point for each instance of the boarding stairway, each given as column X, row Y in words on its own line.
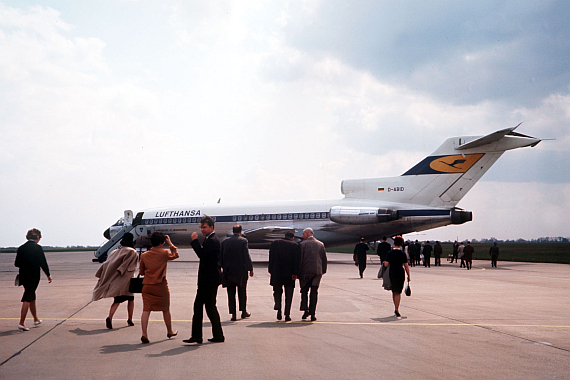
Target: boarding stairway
column 129, row 225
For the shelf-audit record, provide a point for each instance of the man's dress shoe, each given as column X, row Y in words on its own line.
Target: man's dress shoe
column 193, row 340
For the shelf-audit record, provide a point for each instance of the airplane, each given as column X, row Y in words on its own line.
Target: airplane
column 422, row 198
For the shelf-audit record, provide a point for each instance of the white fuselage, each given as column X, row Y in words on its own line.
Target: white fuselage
column 263, row 222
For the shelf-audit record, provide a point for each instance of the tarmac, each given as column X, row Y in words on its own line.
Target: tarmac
column 510, row 322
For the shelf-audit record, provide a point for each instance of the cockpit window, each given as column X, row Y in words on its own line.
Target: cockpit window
column 119, row 222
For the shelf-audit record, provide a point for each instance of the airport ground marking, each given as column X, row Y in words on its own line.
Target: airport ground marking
column 323, row 322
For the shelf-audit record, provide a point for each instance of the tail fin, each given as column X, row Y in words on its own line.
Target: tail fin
column 444, row 177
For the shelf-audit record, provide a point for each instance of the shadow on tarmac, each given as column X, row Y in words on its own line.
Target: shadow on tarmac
column 81, row 332
column 116, row 348
column 391, row 318
column 176, row 351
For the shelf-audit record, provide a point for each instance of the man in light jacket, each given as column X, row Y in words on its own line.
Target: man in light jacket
column 313, row 266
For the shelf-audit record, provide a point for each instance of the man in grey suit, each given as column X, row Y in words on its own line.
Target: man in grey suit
column 313, row 266
column 236, row 263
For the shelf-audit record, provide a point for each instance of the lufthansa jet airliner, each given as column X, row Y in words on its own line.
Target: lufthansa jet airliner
column 424, row 197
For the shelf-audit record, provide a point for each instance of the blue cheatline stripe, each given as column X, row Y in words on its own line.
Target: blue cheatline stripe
column 241, row 218
column 424, row 212
column 278, row 217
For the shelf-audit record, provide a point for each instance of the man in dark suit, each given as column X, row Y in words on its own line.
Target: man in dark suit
column 468, row 255
column 360, row 253
column 412, row 252
column 437, row 252
column 284, row 258
column 455, row 251
column 418, row 253
column 209, row 275
column 427, row 254
column 383, row 249
column 236, row 263
column 494, row 252
column 312, row 267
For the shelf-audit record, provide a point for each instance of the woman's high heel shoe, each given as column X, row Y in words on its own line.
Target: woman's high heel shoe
column 170, row 335
column 23, row 328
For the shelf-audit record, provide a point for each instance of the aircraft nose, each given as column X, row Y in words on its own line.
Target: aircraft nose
column 107, row 233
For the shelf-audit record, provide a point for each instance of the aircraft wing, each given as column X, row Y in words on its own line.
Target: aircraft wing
column 266, row 234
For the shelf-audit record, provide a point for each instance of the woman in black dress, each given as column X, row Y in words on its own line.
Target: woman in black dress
column 398, row 262
column 30, row 258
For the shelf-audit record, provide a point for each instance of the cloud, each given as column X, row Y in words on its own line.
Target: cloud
column 461, row 53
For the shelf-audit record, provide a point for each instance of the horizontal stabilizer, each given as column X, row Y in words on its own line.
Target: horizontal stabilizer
column 484, row 140
column 522, row 140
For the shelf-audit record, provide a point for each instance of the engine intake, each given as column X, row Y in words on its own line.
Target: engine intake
column 362, row 215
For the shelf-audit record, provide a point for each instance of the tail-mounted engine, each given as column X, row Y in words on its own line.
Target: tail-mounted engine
column 461, row 216
column 362, row 215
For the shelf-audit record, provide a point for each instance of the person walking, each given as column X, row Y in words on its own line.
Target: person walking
column 494, row 252
column 437, row 252
column 313, row 266
column 398, row 262
column 30, row 259
column 455, row 252
column 461, row 255
column 114, row 277
column 284, row 258
column 383, row 249
column 427, row 254
column 236, row 263
column 412, row 252
column 360, row 253
column 155, row 292
column 468, row 255
column 209, row 276
column 419, row 255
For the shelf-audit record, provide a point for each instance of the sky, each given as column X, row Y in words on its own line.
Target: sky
column 113, row 105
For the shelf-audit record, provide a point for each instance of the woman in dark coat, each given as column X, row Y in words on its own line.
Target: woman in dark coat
column 30, row 258
column 398, row 261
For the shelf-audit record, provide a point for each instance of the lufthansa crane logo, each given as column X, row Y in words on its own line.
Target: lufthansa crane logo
column 454, row 164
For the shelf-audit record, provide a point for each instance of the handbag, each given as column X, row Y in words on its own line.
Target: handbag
column 408, row 290
column 136, row 284
column 17, row 281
